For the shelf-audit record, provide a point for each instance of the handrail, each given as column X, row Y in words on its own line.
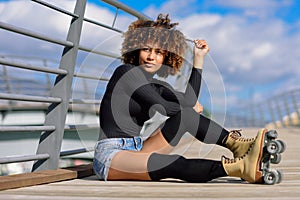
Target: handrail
column 103, row 53
column 31, row 98
column 87, row 76
column 32, row 34
column 101, row 24
column 13, row 159
column 55, row 8
column 127, row 9
column 31, row 67
column 26, row 128
column 76, row 151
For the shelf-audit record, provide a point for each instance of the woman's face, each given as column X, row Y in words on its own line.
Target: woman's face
column 151, row 58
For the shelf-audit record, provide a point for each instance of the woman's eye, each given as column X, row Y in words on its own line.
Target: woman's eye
column 160, row 52
column 146, row 49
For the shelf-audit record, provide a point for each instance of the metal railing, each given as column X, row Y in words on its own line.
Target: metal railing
column 59, row 100
column 282, row 110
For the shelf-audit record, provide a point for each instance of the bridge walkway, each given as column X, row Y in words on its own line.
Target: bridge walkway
column 224, row 188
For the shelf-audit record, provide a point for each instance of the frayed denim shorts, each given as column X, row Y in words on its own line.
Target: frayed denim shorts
column 106, row 149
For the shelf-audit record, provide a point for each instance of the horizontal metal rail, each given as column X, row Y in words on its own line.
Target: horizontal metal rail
column 81, row 127
column 34, row 35
column 107, row 54
column 127, row 9
column 26, row 128
column 84, row 75
column 14, row 159
column 103, row 25
column 20, row 97
column 84, row 101
column 34, row 68
column 46, row 128
column 55, row 8
column 76, row 151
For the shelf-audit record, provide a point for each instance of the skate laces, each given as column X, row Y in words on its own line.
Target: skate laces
column 233, row 160
column 236, row 134
column 230, row 160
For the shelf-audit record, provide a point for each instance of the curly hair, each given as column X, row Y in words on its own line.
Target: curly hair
column 161, row 32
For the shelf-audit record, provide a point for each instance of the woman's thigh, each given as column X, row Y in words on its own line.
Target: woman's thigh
column 132, row 165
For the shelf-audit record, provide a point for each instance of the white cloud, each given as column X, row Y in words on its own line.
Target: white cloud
column 253, row 8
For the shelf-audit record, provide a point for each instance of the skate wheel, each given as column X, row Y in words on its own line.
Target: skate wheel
column 274, row 147
column 272, row 134
column 275, row 158
column 272, row 177
column 283, row 146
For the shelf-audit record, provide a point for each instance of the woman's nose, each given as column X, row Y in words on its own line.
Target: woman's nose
column 151, row 55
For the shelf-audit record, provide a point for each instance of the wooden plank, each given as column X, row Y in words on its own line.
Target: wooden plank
column 44, row 176
column 35, row 178
column 82, row 170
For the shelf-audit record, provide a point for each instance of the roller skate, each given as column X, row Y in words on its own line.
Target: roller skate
column 254, row 166
column 237, row 144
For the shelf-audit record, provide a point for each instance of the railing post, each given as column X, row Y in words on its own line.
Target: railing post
column 293, row 93
column 262, row 116
column 50, row 141
column 288, row 111
column 272, row 114
column 279, row 111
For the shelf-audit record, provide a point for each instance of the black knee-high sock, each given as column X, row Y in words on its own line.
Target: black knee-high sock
column 199, row 126
column 191, row 170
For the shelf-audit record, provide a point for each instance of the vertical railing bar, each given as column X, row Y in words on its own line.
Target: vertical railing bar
column 279, row 111
column 272, row 114
column 261, row 113
column 288, row 111
column 295, row 105
column 7, row 84
column 51, row 141
column 115, row 18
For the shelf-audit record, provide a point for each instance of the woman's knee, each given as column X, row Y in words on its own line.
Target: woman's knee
column 176, row 126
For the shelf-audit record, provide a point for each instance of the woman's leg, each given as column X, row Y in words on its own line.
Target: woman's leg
column 202, row 128
column 153, row 163
column 132, row 165
column 205, row 130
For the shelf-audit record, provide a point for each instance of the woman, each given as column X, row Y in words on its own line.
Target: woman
column 133, row 96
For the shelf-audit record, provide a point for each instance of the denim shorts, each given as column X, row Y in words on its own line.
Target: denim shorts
column 106, row 149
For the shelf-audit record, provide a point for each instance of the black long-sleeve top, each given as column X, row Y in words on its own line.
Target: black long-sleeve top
column 132, row 96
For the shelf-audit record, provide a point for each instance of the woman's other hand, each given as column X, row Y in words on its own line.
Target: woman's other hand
column 198, row 107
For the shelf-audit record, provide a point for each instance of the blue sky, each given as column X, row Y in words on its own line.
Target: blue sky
column 254, row 43
column 263, row 23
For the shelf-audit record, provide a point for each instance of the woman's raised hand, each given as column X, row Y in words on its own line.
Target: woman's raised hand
column 200, row 50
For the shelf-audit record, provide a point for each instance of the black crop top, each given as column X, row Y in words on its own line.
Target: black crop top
column 132, row 96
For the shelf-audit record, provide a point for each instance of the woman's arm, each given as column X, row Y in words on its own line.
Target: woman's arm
column 193, row 88
column 134, row 82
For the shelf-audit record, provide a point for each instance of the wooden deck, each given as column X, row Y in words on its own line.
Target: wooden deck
column 224, row 188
